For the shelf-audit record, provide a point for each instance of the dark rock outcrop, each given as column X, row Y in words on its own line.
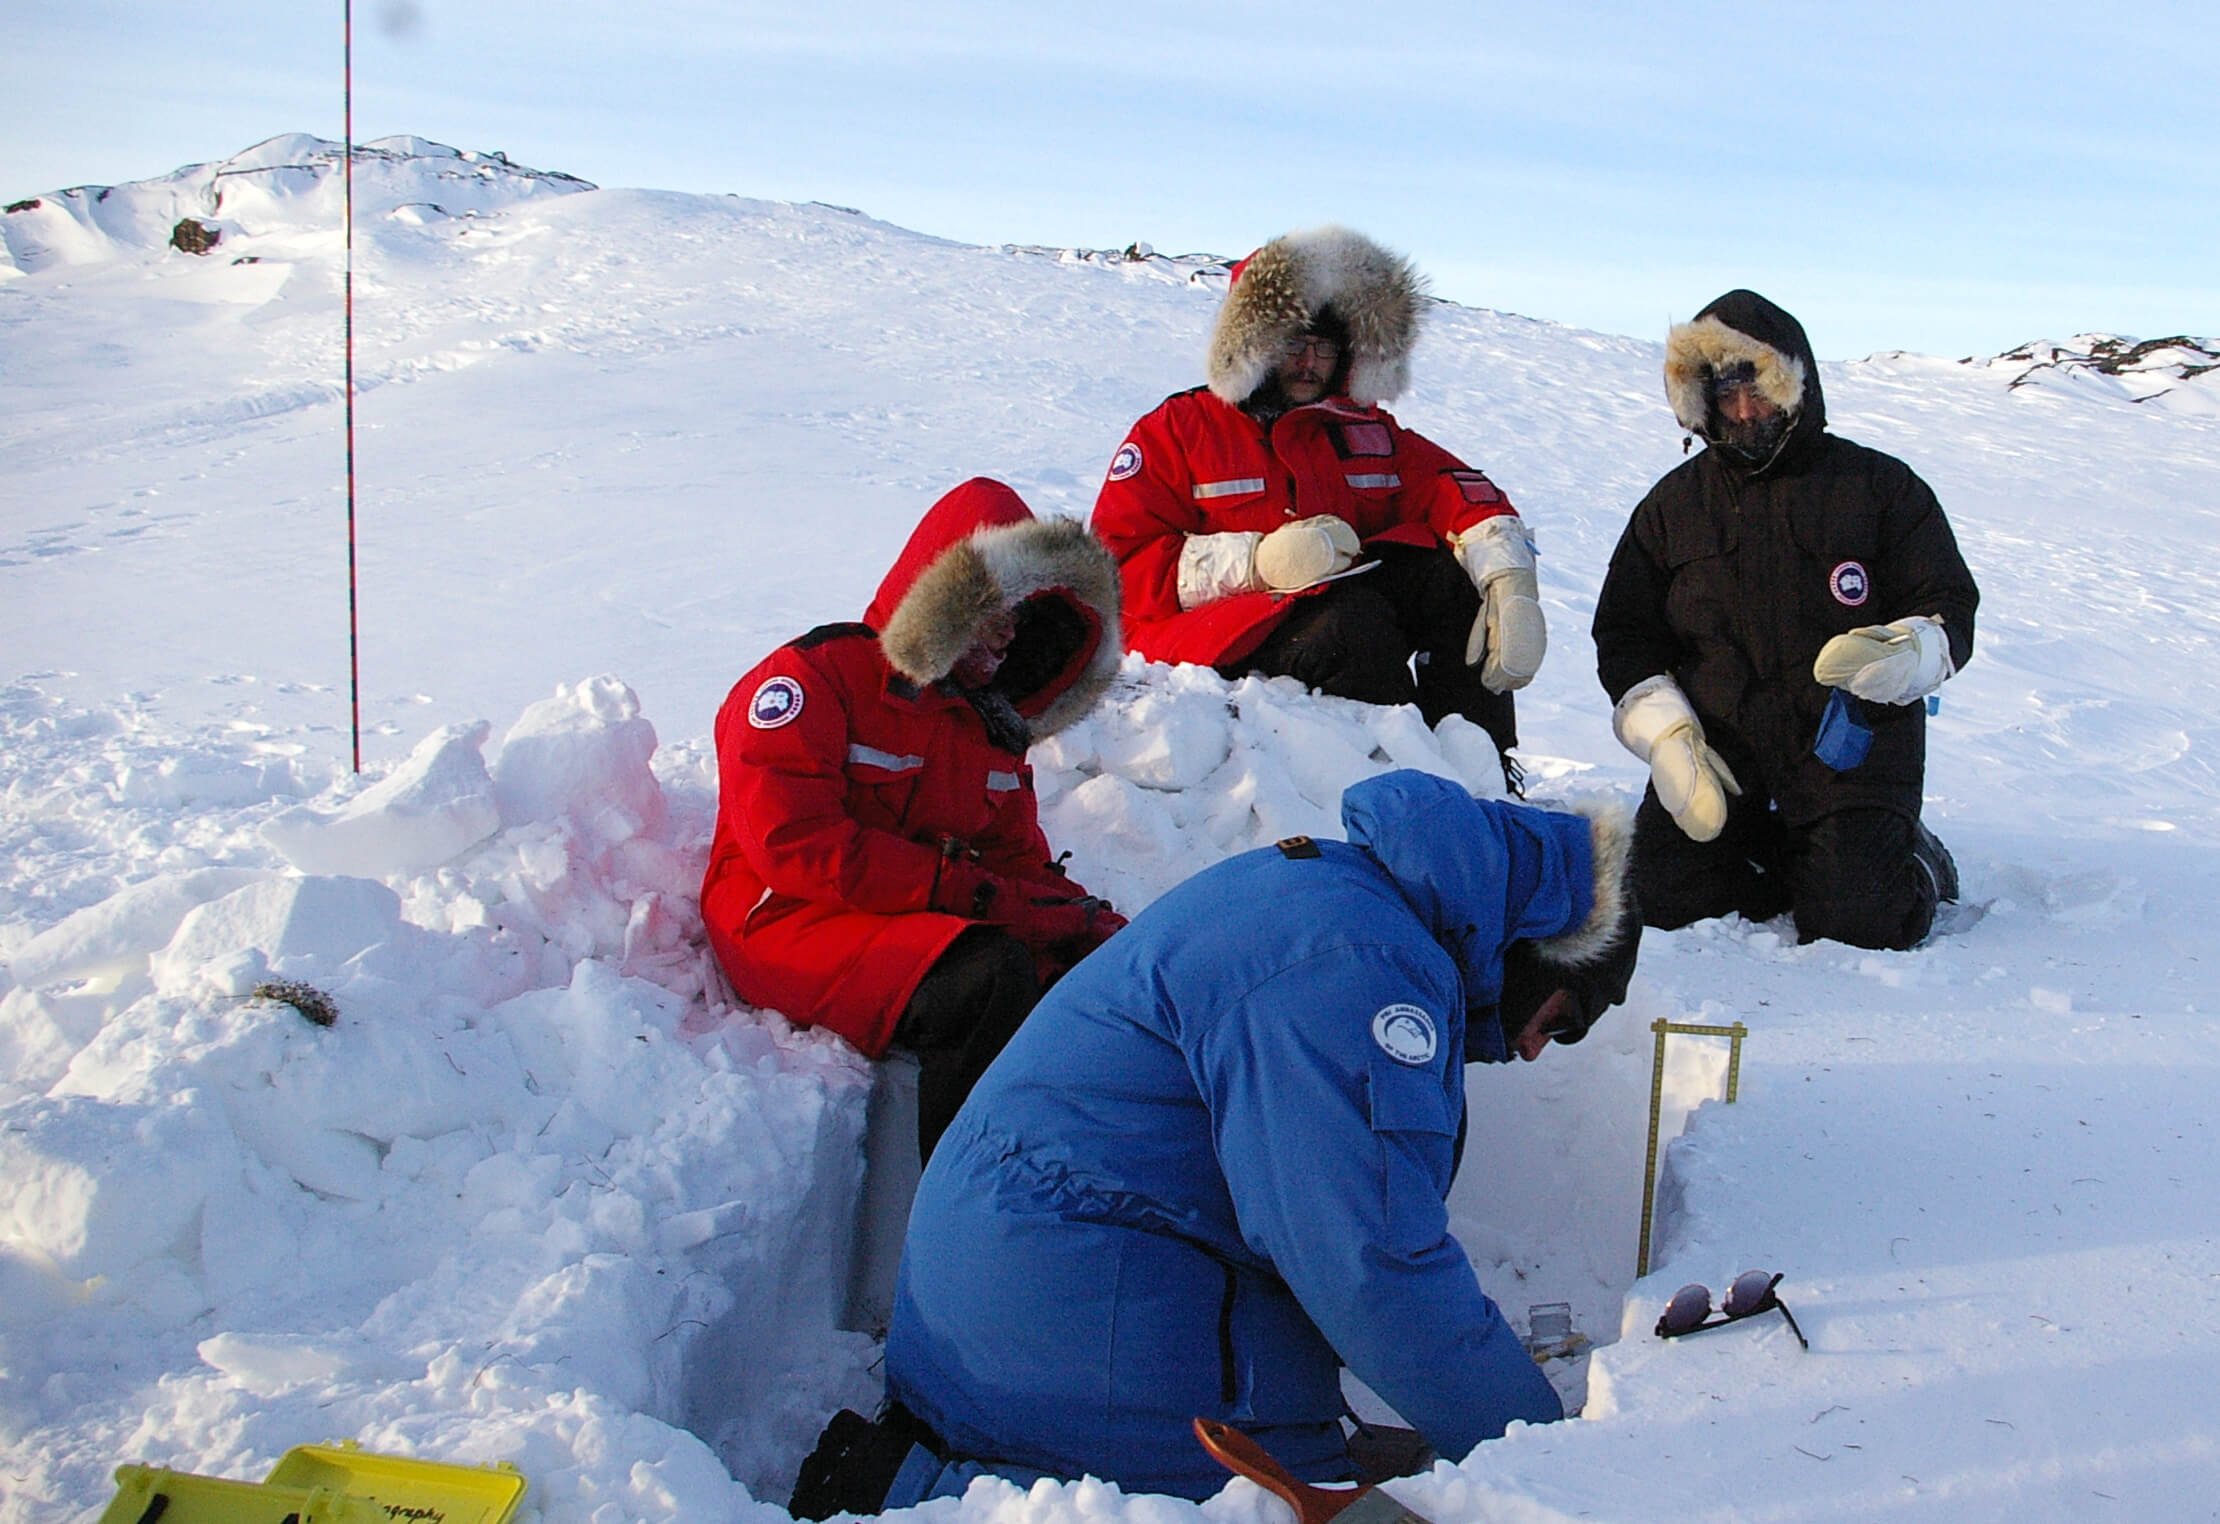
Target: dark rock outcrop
column 193, row 237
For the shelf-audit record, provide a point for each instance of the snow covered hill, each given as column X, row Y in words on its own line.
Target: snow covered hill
column 541, row 1194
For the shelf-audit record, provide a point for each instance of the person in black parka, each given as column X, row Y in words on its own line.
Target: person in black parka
column 1773, row 617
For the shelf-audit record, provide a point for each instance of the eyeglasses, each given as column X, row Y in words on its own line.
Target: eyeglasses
column 1752, row 1293
column 1325, row 349
column 1738, row 376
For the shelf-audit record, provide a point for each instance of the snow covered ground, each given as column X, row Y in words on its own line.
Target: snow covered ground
column 541, row 1194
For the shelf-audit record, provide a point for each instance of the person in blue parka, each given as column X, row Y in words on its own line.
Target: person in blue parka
column 1212, row 1167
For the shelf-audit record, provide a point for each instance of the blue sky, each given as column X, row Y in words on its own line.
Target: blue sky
column 1953, row 177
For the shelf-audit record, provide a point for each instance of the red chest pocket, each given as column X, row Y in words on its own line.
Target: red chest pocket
column 1232, row 483
column 883, row 783
column 1362, row 441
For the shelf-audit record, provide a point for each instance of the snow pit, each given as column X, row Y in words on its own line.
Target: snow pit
column 541, row 1156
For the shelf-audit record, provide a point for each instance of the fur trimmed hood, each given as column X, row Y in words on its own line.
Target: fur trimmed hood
column 1611, row 847
column 978, row 553
column 1278, row 292
column 1593, row 960
column 1743, row 327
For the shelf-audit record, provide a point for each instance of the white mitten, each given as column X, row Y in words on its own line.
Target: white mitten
column 1897, row 663
column 1498, row 555
column 1306, row 551
column 1654, row 721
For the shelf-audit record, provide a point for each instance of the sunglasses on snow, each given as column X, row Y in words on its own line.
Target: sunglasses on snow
column 1752, row 1293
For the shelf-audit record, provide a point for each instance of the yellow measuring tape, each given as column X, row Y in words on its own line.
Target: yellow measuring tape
column 1734, row 1035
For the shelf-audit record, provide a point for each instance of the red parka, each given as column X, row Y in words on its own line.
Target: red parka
column 1200, row 465
column 867, row 813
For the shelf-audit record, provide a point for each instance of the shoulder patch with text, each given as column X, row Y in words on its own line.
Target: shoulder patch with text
column 1405, row 1033
column 1126, row 463
column 778, row 702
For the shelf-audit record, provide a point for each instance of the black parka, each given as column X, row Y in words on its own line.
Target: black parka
column 1731, row 576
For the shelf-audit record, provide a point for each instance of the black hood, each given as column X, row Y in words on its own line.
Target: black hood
column 1744, row 326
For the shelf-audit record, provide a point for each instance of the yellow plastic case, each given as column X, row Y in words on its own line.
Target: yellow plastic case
column 402, row 1490
column 321, row 1484
column 154, row 1495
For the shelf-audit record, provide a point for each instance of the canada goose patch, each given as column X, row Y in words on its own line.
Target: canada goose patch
column 778, row 702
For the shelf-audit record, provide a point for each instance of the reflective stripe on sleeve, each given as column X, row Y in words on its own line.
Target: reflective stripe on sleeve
column 1002, row 783
column 1363, row 479
column 1203, row 491
column 871, row 756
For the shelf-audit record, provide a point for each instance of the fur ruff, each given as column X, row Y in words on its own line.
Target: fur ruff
column 1694, row 350
column 1611, row 838
column 1281, row 288
column 996, row 569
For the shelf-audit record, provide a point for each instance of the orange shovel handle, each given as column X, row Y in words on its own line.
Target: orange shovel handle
column 1244, row 1456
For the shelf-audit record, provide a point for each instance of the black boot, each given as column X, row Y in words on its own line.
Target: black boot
column 1935, row 861
column 855, row 1462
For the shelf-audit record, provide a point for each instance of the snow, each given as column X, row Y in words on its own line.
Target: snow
column 542, row 1193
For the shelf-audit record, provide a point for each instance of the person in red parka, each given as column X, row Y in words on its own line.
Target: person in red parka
column 878, row 866
column 1280, row 521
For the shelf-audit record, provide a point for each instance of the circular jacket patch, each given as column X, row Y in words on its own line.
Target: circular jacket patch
column 778, row 702
column 1405, row 1033
column 1849, row 584
column 1127, row 462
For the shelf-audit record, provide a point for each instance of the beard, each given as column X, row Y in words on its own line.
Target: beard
column 1754, row 440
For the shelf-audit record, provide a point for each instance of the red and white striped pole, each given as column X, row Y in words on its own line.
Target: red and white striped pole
column 354, row 660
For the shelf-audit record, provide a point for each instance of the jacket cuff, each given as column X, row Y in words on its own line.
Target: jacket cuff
column 1493, row 547
column 1648, row 710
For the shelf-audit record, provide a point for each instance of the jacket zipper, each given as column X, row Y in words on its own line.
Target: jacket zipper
column 1228, row 1388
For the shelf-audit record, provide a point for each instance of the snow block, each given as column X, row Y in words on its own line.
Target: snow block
column 270, row 1364
column 581, row 756
column 1472, row 756
column 96, row 1187
column 305, row 928
column 331, row 1161
column 602, row 1040
column 107, row 941
column 1165, row 740
column 434, row 807
column 40, row 1032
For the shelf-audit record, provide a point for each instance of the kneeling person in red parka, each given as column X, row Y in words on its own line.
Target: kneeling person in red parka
column 878, row 866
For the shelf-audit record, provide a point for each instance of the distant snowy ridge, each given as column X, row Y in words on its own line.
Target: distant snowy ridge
column 1207, row 270
column 289, row 183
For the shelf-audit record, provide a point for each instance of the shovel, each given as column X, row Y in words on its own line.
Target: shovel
column 1313, row 1505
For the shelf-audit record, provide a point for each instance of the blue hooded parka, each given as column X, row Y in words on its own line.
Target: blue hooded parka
column 1213, row 1164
